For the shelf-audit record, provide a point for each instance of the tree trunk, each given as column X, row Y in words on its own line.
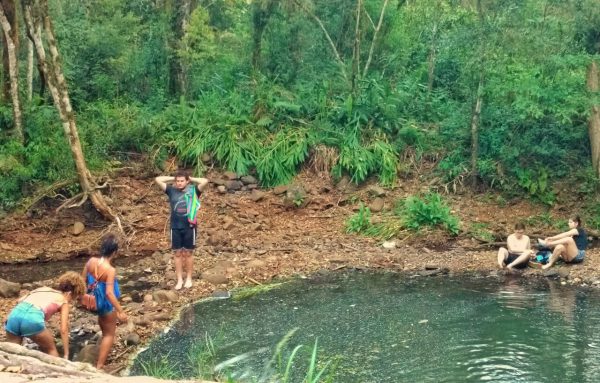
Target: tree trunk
column 431, row 60
column 261, row 13
column 475, row 118
column 58, row 89
column 375, row 33
column 30, row 52
column 178, row 71
column 594, row 123
column 10, row 51
column 356, row 48
column 11, row 16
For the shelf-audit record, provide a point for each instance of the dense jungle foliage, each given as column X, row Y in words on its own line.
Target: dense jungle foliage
column 358, row 87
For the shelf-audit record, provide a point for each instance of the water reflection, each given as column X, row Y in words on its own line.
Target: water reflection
column 410, row 330
column 562, row 300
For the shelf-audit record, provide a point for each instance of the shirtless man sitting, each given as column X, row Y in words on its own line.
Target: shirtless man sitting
column 517, row 251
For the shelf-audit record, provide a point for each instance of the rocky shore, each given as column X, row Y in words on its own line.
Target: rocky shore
column 252, row 237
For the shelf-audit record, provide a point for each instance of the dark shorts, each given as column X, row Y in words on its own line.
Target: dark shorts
column 511, row 258
column 579, row 258
column 183, row 238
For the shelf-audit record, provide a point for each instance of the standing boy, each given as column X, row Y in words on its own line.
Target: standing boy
column 184, row 204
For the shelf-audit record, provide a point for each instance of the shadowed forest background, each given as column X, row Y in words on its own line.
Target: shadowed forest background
column 490, row 94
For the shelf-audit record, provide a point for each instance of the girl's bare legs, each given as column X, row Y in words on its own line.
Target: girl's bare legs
column 108, row 325
column 564, row 248
column 45, row 340
column 14, row 338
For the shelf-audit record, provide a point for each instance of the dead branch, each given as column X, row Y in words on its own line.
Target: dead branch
column 46, row 192
column 254, row 281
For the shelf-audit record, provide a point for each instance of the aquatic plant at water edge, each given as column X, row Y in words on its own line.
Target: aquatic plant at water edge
column 163, row 368
column 202, row 358
column 316, row 371
column 252, row 291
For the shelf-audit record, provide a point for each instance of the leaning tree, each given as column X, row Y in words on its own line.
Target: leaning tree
column 37, row 20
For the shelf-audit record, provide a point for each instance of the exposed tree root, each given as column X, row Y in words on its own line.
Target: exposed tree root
column 49, row 191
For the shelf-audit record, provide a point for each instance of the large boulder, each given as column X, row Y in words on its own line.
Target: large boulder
column 9, row 289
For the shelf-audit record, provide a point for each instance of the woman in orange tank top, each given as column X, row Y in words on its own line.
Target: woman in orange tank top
column 29, row 317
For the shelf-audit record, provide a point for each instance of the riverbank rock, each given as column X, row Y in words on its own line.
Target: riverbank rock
column 88, row 354
column 248, row 180
column 376, row 205
column 9, row 289
column 77, row 228
column 215, row 276
column 20, row 365
column 132, row 339
column 164, row 296
column 257, row 195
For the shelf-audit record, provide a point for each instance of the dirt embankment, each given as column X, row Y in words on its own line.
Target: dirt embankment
column 250, row 236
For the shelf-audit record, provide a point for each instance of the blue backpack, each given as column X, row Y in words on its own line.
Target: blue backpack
column 542, row 256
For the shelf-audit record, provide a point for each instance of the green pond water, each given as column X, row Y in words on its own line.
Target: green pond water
column 394, row 328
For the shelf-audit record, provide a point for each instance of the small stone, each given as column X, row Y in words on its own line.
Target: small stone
column 256, row 195
column 247, row 180
column 222, row 189
column 376, row 205
column 280, row 189
column 233, row 185
column 230, row 175
column 132, row 339
column 389, row 245
column 563, row 273
column 221, row 294
column 77, row 228
column 423, row 321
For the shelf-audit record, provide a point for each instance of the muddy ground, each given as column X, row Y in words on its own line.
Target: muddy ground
column 251, row 237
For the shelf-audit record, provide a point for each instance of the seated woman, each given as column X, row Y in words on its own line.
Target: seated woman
column 29, row 317
column 570, row 245
column 101, row 278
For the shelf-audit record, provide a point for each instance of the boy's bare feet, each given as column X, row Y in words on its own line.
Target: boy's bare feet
column 179, row 284
column 188, row 283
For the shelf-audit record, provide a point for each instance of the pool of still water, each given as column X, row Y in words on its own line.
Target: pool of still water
column 392, row 328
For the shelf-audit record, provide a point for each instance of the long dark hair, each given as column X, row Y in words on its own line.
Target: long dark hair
column 577, row 219
column 109, row 245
